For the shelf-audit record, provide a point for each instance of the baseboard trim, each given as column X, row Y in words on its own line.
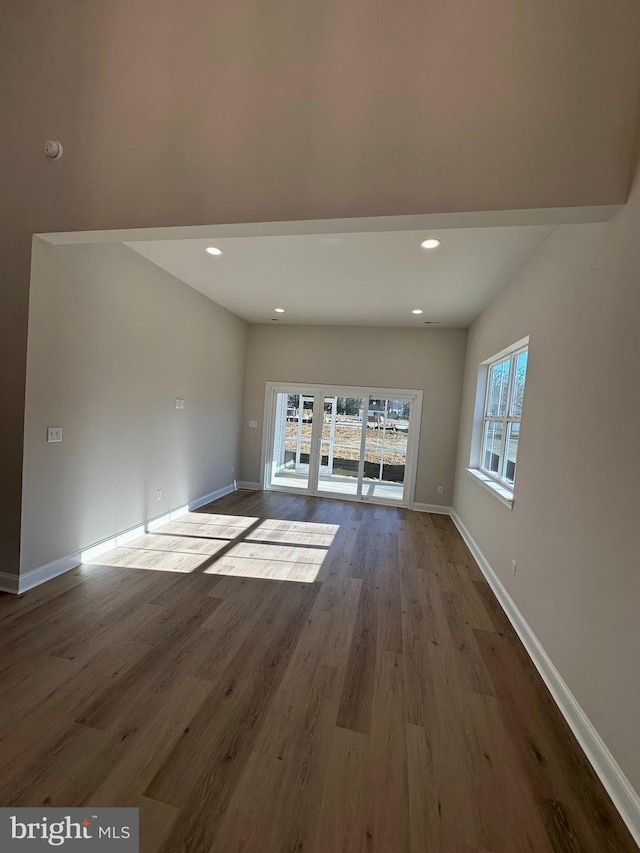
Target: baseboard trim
column 245, row 484
column 9, row 583
column 212, row 496
column 437, row 509
column 24, row 582
column 35, row 577
column 622, row 793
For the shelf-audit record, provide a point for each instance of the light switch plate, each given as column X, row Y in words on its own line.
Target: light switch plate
column 54, row 434
column 253, row 424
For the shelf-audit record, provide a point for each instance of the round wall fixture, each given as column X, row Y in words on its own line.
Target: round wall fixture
column 53, row 149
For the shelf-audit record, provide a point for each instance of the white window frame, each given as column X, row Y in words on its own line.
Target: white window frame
column 494, row 481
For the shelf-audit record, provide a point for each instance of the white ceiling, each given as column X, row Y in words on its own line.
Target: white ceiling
column 364, row 279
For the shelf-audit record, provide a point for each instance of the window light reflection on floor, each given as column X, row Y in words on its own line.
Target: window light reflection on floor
column 242, row 546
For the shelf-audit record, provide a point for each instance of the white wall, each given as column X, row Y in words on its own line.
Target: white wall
column 113, row 340
column 431, row 360
column 573, row 528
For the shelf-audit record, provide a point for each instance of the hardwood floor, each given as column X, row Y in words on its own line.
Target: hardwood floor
column 277, row 673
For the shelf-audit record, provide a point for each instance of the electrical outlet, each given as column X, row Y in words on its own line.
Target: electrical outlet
column 440, row 489
column 158, row 494
column 253, row 424
column 179, row 403
column 54, row 434
column 514, row 566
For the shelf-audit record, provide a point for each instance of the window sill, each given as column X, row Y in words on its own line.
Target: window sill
column 500, row 492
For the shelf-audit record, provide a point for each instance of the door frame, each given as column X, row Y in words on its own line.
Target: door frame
column 316, row 390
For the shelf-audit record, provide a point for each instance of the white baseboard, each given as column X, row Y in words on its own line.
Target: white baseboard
column 212, row 496
column 245, row 484
column 9, row 583
column 35, row 577
column 624, row 797
column 47, row 572
column 438, row 509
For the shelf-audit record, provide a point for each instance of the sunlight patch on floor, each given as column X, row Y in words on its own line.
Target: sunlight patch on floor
column 203, row 528
column 280, row 553
column 242, row 521
column 177, row 544
column 269, row 548
column 294, row 532
column 264, row 568
column 157, row 561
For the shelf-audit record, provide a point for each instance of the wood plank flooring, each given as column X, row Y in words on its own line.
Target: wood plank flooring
column 279, row 674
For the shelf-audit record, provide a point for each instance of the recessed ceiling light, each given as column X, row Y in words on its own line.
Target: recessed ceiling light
column 430, row 243
column 417, row 311
column 213, row 250
column 279, row 310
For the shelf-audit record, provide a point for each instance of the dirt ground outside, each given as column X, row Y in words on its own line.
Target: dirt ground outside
column 395, row 442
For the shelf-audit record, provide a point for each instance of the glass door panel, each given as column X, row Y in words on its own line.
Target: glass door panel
column 291, row 451
column 386, row 445
column 341, row 446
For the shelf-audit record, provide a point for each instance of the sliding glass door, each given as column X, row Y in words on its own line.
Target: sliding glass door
column 357, row 444
column 340, row 446
column 291, row 445
column 385, row 457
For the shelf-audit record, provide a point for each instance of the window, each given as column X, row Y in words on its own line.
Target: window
column 506, row 376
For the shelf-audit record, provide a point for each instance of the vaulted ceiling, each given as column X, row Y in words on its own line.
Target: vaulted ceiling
column 204, row 111
column 192, row 112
